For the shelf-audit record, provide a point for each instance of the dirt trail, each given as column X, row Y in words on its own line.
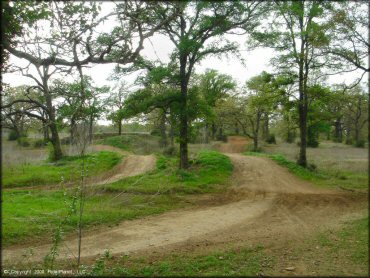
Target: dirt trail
column 235, row 144
column 264, row 202
column 131, row 165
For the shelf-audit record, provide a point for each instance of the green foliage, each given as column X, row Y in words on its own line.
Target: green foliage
column 51, row 153
column 271, row 139
column 39, row 143
column 23, row 142
column 13, row 135
column 120, row 142
column 65, row 170
column 360, row 144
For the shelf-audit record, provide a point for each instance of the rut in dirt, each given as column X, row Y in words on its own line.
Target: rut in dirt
column 262, row 191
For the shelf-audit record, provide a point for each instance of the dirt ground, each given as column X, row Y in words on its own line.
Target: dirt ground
column 131, row 165
column 265, row 205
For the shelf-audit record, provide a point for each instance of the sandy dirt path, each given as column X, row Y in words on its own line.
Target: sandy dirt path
column 265, row 200
column 131, row 165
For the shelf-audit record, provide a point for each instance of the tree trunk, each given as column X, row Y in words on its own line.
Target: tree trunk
column 184, row 160
column 73, row 131
column 55, row 141
column 220, row 135
column 338, row 133
column 91, row 122
column 162, row 128
column 255, row 143
column 236, row 129
column 206, row 134
column 357, row 134
column 119, row 127
column 45, row 129
column 214, row 130
column 266, row 130
column 172, row 135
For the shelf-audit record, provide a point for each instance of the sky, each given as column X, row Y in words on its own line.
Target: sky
column 159, row 47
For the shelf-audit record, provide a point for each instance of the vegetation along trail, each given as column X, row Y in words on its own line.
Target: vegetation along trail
column 264, row 203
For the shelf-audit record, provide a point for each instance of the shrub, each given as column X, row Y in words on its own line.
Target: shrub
column 155, row 132
column 271, row 139
column 23, row 142
column 51, row 156
column 311, row 167
column 349, row 141
column 65, row 141
column 171, row 150
column 360, row 144
column 39, row 143
column 13, row 135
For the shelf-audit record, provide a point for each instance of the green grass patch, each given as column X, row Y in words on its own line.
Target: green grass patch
column 120, row 142
column 137, row 143
column 245, row 262
column 207, row 173
column 32, row 214
column 67, row 169
column 322, row 178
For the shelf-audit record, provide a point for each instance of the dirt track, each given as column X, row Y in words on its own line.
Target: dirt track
column 131, row 165
column 264, row 204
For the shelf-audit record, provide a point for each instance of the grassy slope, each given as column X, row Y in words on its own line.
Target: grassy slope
column 152, row 193
column 137, row 143
column 324, row 178
column 343, row 252
column 67, row 169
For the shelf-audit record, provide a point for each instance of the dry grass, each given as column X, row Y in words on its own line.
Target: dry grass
column 328, row 156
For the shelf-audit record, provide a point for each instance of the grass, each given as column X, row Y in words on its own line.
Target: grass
column 67, row 169
column 151, row 193
column 120, row 142
column 340, row 252
column 208, row 173
column 323, row 178
column 245, row 261
column 137, row 143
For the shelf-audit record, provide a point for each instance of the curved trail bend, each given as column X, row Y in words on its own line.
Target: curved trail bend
column 132, row 165
column 264, row 201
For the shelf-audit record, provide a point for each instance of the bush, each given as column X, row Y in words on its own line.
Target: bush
column 349, row 141
column 13, row 135
column 271, row 139
column 65, row 141
column 360, row 144
column 39, row 143
column 171, row 150
column 155, row 132
column 311, row 167
column 51, row 156
column 23, row 142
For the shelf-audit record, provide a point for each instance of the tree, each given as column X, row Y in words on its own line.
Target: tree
column 116, row 100
column 16, row 117
column 196, row 33
column 214, row 86
column 356, row 114
column 72, row 42
column 298, row 32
